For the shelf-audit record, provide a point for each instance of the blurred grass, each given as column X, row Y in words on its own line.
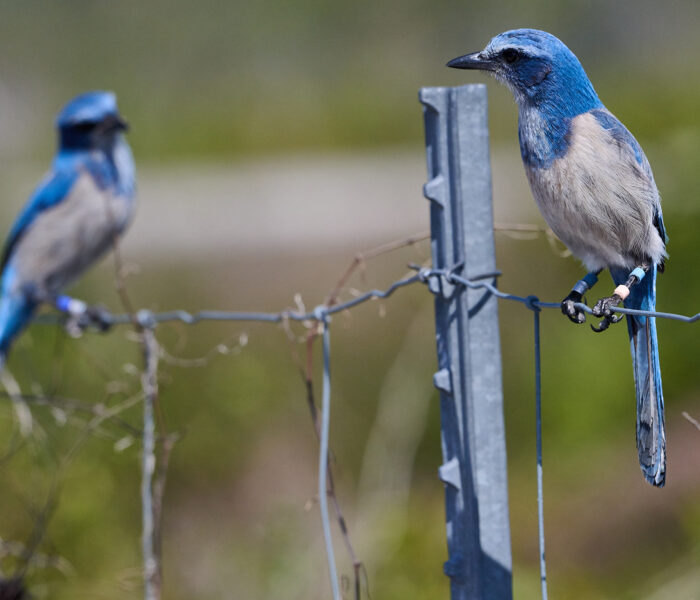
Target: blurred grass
column 224, row 78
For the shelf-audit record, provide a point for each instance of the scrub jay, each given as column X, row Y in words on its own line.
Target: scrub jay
column 83, row 204
column 594, row 187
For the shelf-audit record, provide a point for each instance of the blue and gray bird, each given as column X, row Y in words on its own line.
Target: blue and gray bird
column 594, row 187
column 75, row 215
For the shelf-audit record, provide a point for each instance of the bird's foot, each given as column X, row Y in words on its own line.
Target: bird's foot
column 81, row 317
column 603, row 308
column 98, row 317
column 568, row 307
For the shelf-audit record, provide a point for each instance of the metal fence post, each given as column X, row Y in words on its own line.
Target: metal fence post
column 468, row 346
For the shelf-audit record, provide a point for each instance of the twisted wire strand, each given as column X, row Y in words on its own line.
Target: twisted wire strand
column 147, row 318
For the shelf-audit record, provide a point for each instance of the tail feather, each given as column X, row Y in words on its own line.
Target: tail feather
column 651, row 436
column 16, row 311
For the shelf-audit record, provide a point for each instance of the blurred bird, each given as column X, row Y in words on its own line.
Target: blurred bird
column 73, row 217
column 594, row 187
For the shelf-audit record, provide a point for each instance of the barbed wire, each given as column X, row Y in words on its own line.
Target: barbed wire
column 148, row 319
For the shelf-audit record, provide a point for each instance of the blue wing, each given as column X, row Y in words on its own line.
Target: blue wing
column 51, row 191
column 659, row 224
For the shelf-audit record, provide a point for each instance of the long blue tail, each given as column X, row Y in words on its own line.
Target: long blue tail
column 16, row 311
column 651, row 437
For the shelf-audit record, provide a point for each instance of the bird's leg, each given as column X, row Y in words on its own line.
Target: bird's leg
column 80, row 315
column 603, row 308
column 568, row 304
column 75, row 309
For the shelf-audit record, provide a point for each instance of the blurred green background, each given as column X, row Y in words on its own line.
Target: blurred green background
column 274, row 141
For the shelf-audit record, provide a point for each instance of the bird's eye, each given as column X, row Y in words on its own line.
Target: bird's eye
column 85, row 126
column 510, row 55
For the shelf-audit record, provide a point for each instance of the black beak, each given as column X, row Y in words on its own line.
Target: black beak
column 114, row 123
column 475, row 60
column 120, row 123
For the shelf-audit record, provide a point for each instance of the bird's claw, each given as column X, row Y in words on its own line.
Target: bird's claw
column 97, row 317
column 569, row 308
column 100, row 318
column 603, row 308
column 92, row 316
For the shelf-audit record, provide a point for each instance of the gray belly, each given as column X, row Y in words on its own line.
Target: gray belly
column 66, row 239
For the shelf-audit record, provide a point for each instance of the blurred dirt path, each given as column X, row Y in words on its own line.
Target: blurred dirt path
column 302, row 203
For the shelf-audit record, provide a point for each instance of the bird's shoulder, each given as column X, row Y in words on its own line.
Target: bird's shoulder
column 601, row 144
column 620, row 135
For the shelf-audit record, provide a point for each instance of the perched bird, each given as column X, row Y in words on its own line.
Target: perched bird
column 594, row 187
column 83, row 204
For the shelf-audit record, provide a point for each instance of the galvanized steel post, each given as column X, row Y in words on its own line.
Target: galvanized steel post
column 468, row 345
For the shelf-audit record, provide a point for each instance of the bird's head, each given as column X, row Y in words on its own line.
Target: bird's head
column 90, row 121
column 537, row 67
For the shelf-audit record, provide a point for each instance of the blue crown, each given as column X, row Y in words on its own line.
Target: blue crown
column 90, row 107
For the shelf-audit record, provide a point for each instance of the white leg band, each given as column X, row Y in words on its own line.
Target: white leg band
column 622, row 291
column 76, row 307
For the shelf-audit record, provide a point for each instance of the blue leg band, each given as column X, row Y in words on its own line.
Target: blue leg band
column 585, row 284
column 69, row 305
column 590, row 279
column 638, row 273
column 62, row 303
